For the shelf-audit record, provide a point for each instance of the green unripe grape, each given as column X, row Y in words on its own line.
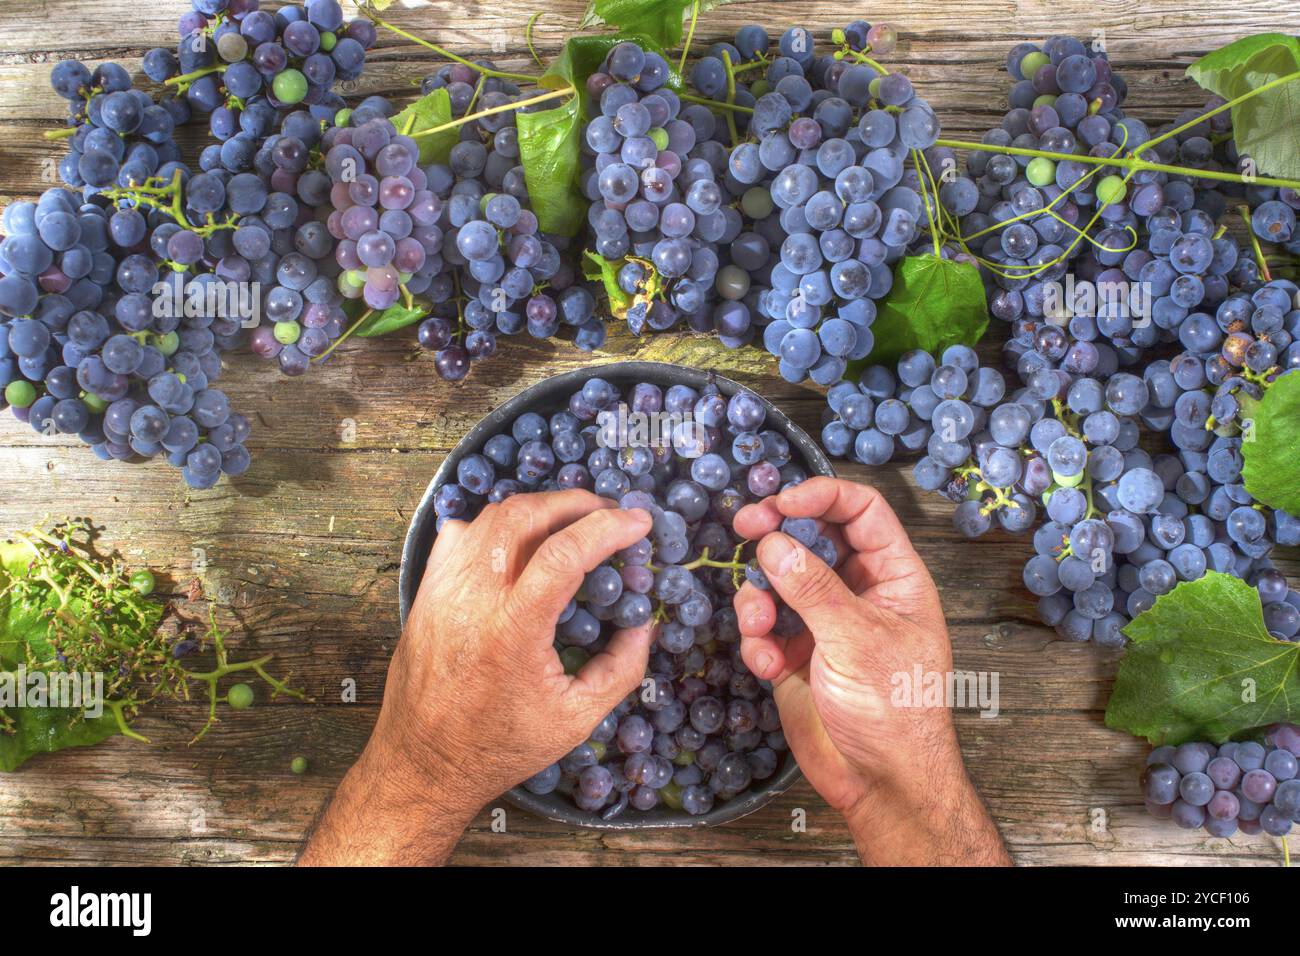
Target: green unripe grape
column 405, row 277
column 298, row 765
column 20, row 393
column 671, row 794
column 290, row 87
column 659, row 136
column 732, row 282
column 598, row 748
column 573, row 658
column 94, row 402
column 1047, row 99
column 1031, row 63
column 168, row 343
column 684, row 758
column 142, row 581
column 356, row 278
column 1041, row 171
column 328, row 41
column 759, row 87
column 1111, row 190
column 756, row 203
column 286, row 333
column 239, row 697
column 342, row 116
column 1072, row 481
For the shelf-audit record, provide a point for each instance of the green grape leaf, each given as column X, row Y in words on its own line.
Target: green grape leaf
column 39, row 730
column 661, row 20
column 1220, row 71
column 26, row 731
column 390, row 320
column 1266, row 127
column 550, row 141
column 934, row 303
column 1202, row 666
column 426, row 113
column 550, row 150
column 1271, row 446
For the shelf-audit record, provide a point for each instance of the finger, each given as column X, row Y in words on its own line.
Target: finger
column 556, row 570
column 445, row 546
column 754, row 521
column 775, row 658
column 518, row 526
column 609, row 676
column 809, row 586
column 755, row 610
column 884, row 552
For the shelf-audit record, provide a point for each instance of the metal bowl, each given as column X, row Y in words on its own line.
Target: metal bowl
column 546, row 398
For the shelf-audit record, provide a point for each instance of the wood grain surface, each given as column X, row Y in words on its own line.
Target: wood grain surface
column 301, row 554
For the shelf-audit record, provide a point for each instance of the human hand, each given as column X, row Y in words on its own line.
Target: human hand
column 477, row 699
column 895, row 772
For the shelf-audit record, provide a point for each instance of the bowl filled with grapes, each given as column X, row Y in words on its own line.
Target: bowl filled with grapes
column 700, row 742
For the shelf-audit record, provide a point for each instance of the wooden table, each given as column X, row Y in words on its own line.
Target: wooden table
column 302, row 552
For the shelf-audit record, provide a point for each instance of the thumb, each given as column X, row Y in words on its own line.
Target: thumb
column 811, row 588
column 609, row 676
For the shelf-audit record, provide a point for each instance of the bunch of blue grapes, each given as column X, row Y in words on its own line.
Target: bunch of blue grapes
column 491, row 271
column 120, row 136
column 378, row 197
column 283, row 244
column 1248, row 786
column 238, row 64
column 658, row 206
column 831, row 189
column 702, row 727
column 112, row 359
column 973, row 439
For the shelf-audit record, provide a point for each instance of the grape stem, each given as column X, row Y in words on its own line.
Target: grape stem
column 704, row 561
column 503, row 108
column 731, row 98
column 153, row 196
column 486, row 71
column 186, row 80
column 1135, row 163
column 528, row 38
column 347, row 332
column 225, row 668
column 56, row 134
column 1218, row 109
column 1244, row 212
column 862, row 58
column 690, row 35
column 714, row 104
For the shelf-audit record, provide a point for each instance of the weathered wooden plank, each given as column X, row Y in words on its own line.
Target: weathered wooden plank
column 301, row 554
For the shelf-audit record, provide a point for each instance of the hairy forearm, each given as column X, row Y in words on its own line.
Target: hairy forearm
column 377, row 818
column 933, row 817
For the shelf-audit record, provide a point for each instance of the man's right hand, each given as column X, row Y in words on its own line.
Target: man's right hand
column 895, row 772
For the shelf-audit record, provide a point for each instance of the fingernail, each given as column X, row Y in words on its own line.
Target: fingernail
column 753, row 620
column 642, row 515
column 764, row 662
column 779, row 555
